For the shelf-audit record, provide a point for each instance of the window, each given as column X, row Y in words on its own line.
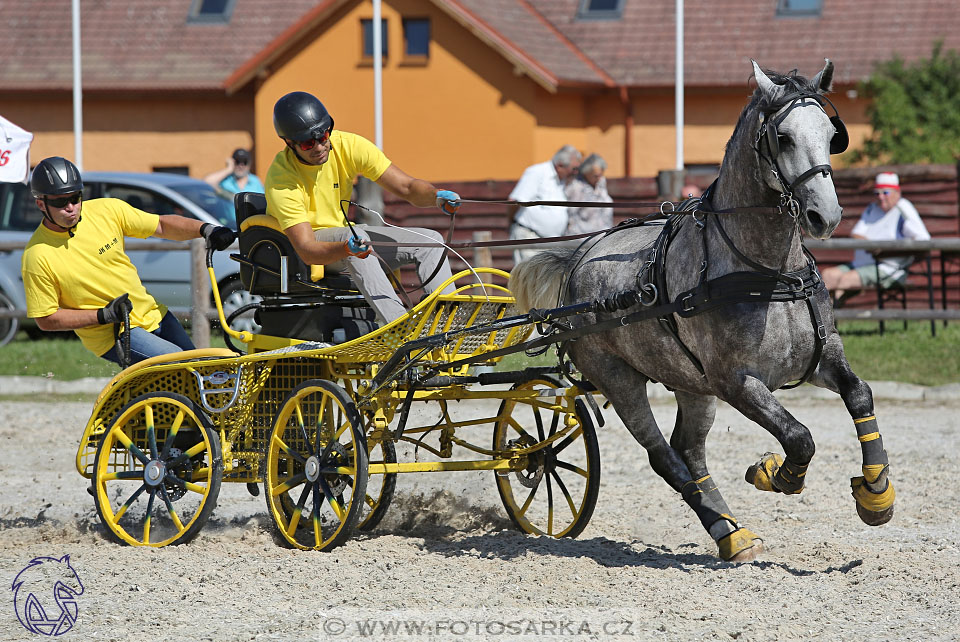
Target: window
column 600, row 10
column 367, row 27
column 172, row 169
column 416, row 37
column 211, row 11
column 799, row 7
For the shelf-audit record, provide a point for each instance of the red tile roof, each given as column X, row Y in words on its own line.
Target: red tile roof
column 148, row 44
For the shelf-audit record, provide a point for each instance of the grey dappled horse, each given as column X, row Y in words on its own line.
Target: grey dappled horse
column 775, row 178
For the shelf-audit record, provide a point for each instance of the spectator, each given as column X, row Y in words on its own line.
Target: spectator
column 542, row 182
column 77, row 276
column 892, row 218
column 307, row 184
column 589, row 185
column 236, row 176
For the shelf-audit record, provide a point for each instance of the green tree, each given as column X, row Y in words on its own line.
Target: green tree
column 914, row 110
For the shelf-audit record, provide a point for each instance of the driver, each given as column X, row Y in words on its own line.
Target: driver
column 77, row 276
column 307, row 182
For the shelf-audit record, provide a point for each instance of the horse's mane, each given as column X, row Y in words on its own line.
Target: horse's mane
column 792, row 83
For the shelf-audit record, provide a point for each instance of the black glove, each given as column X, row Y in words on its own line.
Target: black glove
column 113, row 311
column 218, row 237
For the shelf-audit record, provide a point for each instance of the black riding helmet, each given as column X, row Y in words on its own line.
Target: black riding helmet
column 300, row 116
column 55, row 176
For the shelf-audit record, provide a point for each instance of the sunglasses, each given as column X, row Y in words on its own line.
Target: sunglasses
column 883, row 192
column 63, row 201
column 310, row 143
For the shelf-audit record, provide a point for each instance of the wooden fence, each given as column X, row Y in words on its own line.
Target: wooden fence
column 933, row 189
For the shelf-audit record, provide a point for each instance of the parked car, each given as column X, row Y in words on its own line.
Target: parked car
column 165, row 274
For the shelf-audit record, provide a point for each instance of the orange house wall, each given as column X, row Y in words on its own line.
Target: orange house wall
column 140, row 133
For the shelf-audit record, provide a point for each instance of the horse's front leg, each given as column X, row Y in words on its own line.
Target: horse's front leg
column 754, row 400
column 625, row 387
column 873, row 491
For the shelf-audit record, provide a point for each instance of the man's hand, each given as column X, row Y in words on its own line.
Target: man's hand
column 113, row 312
column 357, row 247
column 218, row 237
column 448, row 201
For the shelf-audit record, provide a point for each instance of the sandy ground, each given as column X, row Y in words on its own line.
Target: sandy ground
column 446, row 561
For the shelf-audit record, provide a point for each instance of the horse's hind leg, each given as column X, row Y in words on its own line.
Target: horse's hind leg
column 626, row 389
column 695, row 417
column 873, row 491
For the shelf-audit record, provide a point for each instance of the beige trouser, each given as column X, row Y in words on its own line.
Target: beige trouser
column 368, row 274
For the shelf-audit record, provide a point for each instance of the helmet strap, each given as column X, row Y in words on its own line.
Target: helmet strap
column 46, row 215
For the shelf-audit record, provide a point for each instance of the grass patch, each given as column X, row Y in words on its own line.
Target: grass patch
column 910, row 356
column 60, row 357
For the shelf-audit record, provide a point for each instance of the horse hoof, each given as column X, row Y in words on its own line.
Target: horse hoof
column 760, row 474
column 741, row 545
column 874, row 509
column 874, row 518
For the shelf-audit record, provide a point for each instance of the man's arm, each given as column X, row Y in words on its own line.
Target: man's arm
column 64, row 319
column 174, row 227
column 312, row 251
column 413, row 190
column 213, row 179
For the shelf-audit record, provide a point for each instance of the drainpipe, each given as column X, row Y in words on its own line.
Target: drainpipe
column 627, row 131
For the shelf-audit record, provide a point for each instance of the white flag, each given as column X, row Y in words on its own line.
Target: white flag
column 14, row 152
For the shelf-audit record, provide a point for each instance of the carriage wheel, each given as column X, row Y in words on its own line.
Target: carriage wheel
column 380, row 488
column 556, row 492
column 157, row 471
column 316, row 466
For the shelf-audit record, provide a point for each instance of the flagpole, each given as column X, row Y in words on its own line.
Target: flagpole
column 77, row 88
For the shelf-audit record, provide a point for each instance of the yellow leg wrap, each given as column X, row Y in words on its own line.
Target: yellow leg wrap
column 875, row 502
column 761, row 474
column 737, row 542
column 872, row 471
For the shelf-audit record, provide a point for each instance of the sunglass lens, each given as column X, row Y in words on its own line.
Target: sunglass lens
column 63, row 201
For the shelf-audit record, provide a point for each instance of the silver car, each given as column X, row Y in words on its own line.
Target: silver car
column 165, row 274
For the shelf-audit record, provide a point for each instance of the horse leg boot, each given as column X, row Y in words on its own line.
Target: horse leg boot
column 774, row 473
column 695, row 417
column 873, row 491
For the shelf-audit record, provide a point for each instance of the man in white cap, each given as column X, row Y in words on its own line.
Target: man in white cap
column 891, row 218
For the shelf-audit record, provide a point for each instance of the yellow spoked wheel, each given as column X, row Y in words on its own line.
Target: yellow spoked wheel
column 157, row 471
column 556, row 491
column 316, row 475
column 380, row 487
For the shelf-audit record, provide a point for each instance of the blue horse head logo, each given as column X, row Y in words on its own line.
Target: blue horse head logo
column 45, row 595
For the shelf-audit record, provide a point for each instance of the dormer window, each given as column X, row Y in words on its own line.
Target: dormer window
column 799, row 8
column 600, row 10
column 211, row 11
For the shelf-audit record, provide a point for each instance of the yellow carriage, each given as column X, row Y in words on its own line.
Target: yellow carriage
column 318, row 424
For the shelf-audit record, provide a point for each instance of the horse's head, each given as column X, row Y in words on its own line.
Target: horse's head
column 795, row 137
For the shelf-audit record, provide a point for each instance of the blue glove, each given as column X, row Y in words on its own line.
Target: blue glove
column 448, row 201
column 358, row 247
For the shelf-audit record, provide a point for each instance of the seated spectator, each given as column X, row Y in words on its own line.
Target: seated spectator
column 891, row 218
column 542, row 182
column 236, row 176
column 589, row 185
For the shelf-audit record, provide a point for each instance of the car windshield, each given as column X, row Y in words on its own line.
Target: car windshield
column 207, row 198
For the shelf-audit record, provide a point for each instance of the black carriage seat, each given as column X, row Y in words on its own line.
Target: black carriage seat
column 299, row 301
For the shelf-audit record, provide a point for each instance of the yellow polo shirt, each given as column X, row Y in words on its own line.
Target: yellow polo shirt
column 90, row 269
column 298, row 193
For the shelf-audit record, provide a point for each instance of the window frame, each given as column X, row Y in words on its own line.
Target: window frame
column 195, row 17
column 585, row 13
column 416, row 57
column 385, row 39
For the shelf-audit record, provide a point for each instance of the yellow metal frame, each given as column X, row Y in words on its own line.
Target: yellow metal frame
column 273, row 366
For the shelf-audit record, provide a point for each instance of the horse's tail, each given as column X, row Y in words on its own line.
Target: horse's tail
column 536, row 281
